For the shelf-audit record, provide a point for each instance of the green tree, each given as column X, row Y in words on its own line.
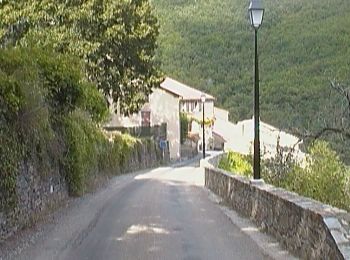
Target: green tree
column 115, row 39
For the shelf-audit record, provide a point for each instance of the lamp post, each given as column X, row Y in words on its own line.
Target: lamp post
column 256, row 14
column 203, row 144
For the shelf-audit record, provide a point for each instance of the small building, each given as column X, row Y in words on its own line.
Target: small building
column 164, row 106
column 172, row 98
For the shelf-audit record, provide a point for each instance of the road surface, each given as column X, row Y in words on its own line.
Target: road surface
column 158, row 214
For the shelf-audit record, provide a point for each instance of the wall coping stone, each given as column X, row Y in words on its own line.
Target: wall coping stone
column 257, row 182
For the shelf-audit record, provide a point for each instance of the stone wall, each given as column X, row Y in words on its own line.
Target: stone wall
column 145, row 155
column 39, row 193
column 307, row 228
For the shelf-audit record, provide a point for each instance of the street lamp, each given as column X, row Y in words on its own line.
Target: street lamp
column 256, row 14
column 203, row 144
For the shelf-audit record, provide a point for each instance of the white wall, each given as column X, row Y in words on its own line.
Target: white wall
column 221, row 113
column 118, row 120
column 209, row 109
column 240, row 138
column 121, row 121
column 165, row 109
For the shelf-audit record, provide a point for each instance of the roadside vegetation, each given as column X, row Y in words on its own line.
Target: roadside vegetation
column 323, row 177
column 49, row 116
column 61, row 65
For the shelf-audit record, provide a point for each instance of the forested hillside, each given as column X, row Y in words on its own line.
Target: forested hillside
column 302, row 44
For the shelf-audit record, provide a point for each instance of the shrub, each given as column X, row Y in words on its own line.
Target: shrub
column 60, row 78
column 82, row 141
column 48, row 116
column 276, row 169
column 123, row 146
column 89, row 152
column 236, row 163
column 324, row 178
column 24, row 120
column 94, row 103
column 11, row 98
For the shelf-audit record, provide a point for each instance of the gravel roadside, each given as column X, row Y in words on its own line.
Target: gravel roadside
column 16, row 247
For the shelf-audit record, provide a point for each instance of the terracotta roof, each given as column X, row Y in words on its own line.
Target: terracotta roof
column 183, row 91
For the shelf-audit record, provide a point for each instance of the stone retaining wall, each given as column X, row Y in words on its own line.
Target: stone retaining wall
column 145, row 155
column 39, row 193
column 307, row 228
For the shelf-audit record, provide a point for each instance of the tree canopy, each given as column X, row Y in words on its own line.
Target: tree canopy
column 116, row 40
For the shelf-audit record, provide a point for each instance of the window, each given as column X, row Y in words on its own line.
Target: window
column 182, row 107
column 146, row 118
column 192, row 106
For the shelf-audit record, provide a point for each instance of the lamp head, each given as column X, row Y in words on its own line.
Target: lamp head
column 256, row 13
column 203, row 98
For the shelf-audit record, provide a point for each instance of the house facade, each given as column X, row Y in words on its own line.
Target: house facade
column 164, row 106
column 172, row 98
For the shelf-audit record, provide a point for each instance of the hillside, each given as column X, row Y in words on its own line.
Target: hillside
column 303, row 45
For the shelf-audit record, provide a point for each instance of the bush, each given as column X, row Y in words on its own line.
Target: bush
column 81, row 156
column 24, row 120
column 48, row 116
column 94, row 103
column 275, row 170
column 58, row 77
column 41, row 95
column 324, row 178
column 89, row 152
column 236, row 163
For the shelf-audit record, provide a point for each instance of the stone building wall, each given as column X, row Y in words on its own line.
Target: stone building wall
column 309, row 229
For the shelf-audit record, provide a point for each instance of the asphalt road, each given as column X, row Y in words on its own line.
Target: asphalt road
column 158, row 214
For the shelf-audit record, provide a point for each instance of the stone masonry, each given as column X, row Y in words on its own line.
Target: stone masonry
column 307, row 228
column 40, row 193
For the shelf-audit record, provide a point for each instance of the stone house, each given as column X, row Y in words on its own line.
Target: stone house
column 164, row 106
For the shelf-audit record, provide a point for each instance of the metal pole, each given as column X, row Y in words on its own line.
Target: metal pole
column 203, row 134
column 256, row 114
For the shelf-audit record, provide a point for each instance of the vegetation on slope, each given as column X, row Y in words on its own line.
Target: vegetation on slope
column 302, row 45
column 56, row 60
